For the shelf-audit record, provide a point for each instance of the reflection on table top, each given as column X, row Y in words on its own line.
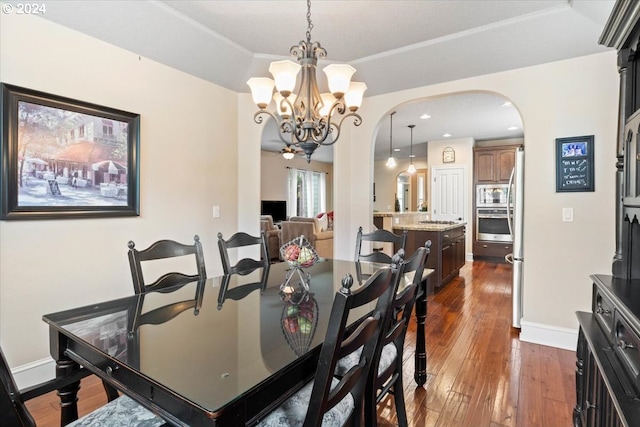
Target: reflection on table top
column 208, row 348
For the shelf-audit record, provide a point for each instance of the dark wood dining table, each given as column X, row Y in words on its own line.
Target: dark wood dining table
column 220, row 352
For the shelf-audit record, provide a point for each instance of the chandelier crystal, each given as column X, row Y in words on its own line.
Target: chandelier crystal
column 306, row 118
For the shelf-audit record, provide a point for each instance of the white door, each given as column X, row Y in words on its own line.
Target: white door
column 448, row 193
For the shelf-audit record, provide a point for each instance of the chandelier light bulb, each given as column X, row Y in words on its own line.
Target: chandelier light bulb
column 288, row 155
column 284, row 73
column 353, row 97
column 339, row 78
column 327, row 101
column 261, row 90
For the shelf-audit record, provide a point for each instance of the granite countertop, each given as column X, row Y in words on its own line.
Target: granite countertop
column 386, row 214
column 429, row 226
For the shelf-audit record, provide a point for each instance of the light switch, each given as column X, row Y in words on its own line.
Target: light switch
column 567, row 214
column 216, row 211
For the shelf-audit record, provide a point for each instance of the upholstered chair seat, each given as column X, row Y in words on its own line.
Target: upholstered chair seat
column 123, row 411
column 387, row 358
column 293, row 411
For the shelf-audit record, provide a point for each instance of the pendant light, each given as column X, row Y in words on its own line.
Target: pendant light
column 412, row 169
column 391, row 162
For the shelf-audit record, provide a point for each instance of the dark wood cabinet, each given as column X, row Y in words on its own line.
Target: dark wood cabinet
column 447, row 251
column 608, row 351
column 496, row 250
column 493, row 164
column 607, row 356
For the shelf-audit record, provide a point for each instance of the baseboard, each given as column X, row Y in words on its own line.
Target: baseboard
column 552, row 336
column 34, row 373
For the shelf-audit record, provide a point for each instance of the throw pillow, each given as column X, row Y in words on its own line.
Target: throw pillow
column 323, row 222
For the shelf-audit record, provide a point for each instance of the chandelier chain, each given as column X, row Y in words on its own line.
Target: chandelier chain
column 309, row 24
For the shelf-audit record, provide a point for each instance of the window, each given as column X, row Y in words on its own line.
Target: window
column 307, row 193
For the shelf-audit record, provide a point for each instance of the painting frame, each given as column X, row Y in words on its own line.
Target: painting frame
column 575, row 164
column 124, row 141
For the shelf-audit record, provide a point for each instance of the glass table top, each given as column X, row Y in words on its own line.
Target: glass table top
column 213, row 341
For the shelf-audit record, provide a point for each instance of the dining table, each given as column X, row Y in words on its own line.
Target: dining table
column 222, row 351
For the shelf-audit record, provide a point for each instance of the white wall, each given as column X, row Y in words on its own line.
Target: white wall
column 566, row 98
column 188, row 163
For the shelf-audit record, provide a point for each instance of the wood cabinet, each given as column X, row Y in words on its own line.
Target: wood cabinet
column 608, row 352
column 447, row 255
column 491, row 249
column 608, row 360
column 493, row 164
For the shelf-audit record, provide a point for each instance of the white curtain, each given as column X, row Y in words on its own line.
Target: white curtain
column 307, row 195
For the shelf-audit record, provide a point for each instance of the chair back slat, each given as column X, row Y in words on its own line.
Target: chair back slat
column 382, row 236
column 238, row 240
column 164, row 249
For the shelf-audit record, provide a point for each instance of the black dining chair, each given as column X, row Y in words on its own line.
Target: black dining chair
column 326, row 400
column 381, row 236
column 245, row 265
column 386, row 375
column 119, row 412
column 163, row 249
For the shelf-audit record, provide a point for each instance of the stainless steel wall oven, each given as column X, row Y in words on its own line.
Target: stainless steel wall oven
column 492, row 225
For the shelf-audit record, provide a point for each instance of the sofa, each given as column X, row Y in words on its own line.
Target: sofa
column 315, row 230
column 272, row 235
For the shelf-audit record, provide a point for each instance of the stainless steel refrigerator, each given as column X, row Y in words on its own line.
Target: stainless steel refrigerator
column 516, row 227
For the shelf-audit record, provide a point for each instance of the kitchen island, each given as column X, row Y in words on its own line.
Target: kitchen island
column 447, row 247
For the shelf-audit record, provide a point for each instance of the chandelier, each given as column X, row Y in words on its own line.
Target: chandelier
column 306, row 118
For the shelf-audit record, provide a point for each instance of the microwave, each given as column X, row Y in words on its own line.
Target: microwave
column 492, row 195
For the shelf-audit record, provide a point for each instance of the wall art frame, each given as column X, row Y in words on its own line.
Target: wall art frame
column 574, row 164
column 62, row 158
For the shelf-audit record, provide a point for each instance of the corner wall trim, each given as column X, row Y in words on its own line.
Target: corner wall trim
column 34, row 372
column 552, row 336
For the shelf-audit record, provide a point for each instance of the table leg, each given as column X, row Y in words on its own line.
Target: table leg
column 420, row 373
column 69, row 393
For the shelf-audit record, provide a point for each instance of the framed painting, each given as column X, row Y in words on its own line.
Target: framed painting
column 63, row 158
column 574, row 164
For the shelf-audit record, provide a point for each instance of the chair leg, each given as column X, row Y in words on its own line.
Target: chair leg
column 370, row 407
column 112, row 393
column 398, row 397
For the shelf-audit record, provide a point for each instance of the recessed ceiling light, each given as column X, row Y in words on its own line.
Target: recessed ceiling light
column 507, row 104
column 412, row 155
column 425, row 116
column 447, row 135
column 396, row 149
column 512, row 128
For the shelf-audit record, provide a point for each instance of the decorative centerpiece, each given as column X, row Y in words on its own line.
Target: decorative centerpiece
column 299, row 254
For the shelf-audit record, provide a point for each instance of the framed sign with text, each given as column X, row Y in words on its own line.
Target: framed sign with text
column 574, row 164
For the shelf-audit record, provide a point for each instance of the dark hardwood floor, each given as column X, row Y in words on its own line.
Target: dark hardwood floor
column 479, row 373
